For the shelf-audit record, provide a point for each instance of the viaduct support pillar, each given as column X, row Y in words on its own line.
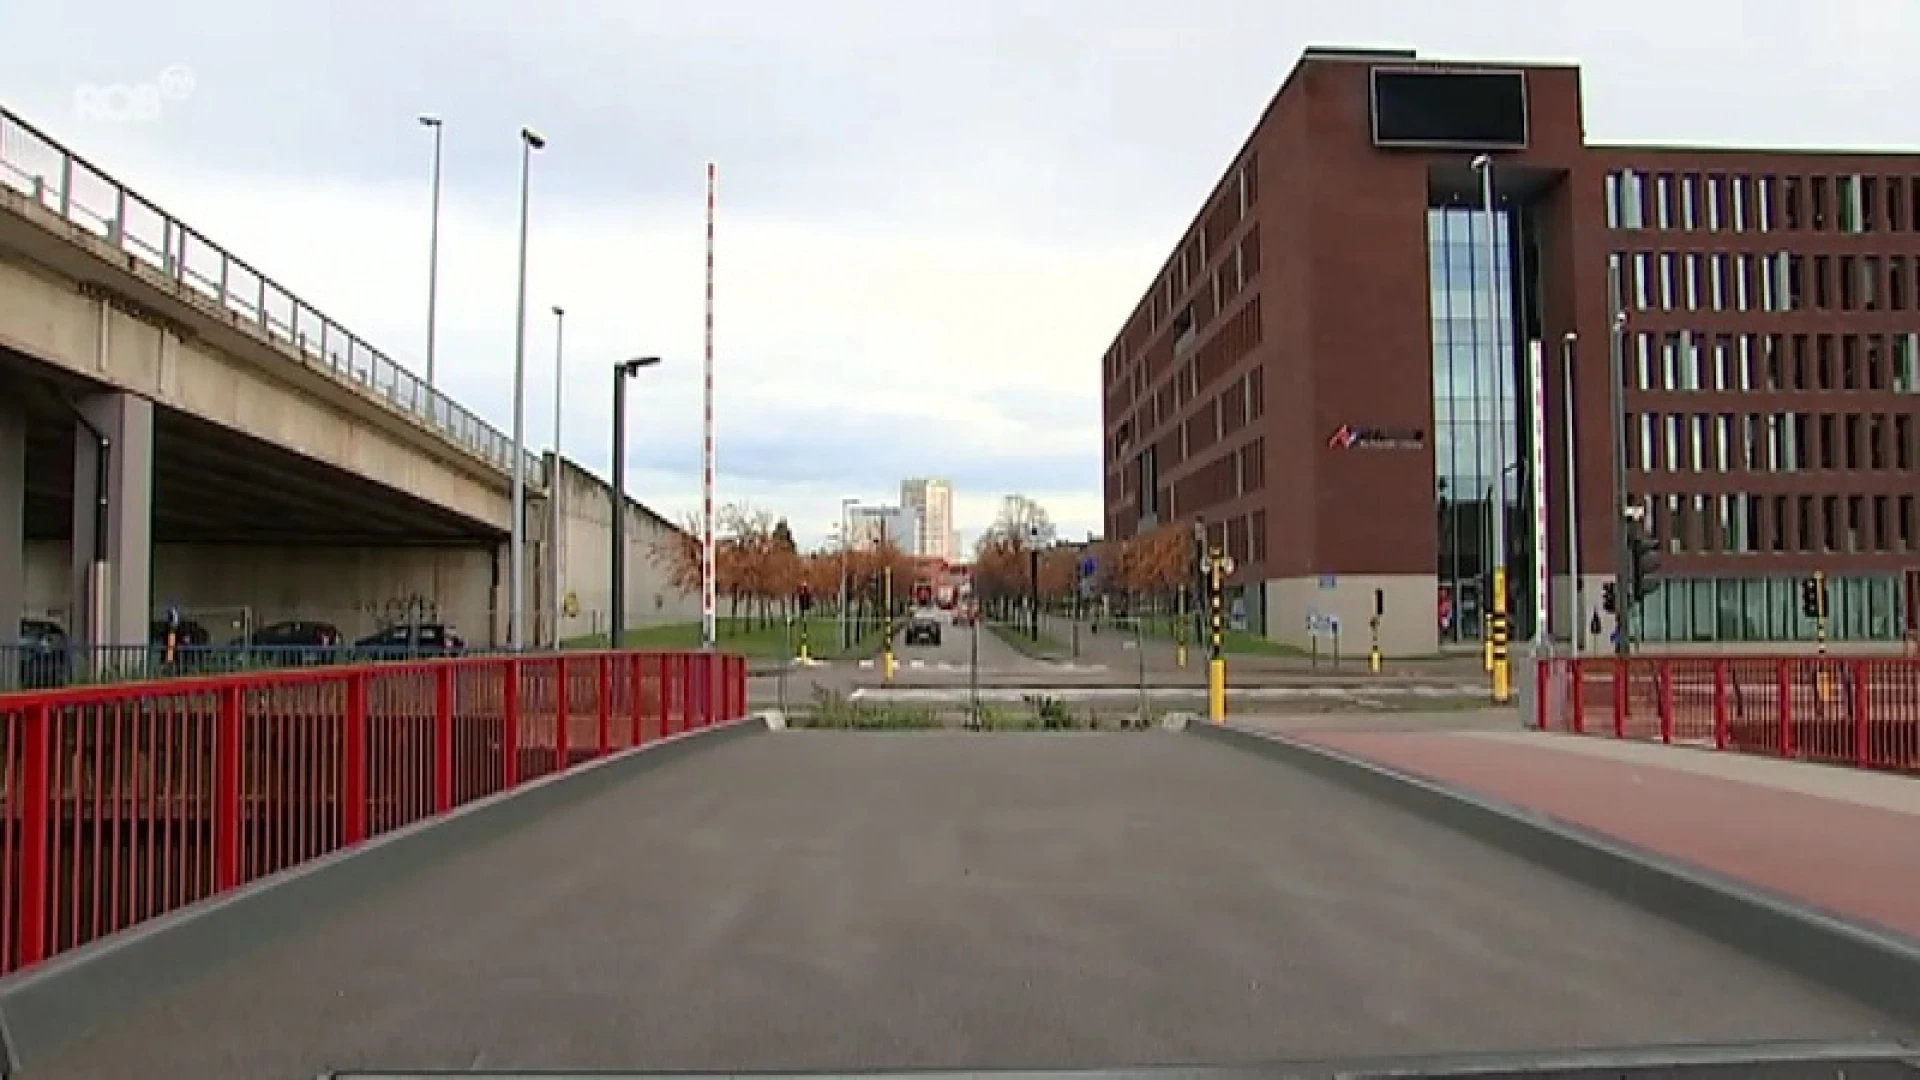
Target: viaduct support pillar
column 13, row 532
column 113, row 522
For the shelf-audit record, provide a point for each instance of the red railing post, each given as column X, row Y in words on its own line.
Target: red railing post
column 226, row 791
column 36, row 821
column 604, row 695
column 1719, row 704
column 1862, row 744
column 1622, row 676
column 683, row 688
column 510, row 724
column 1578, row 681
column 1663, row 685
column 1784, row 675
column 710, row 679
column 562, row 714
column 353, row 762
column 703, row 673
column 1542, row 672
column 443, row 738
column 670, row 691
column 635, row 686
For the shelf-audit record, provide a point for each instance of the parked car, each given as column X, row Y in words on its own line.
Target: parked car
column 410, row 640
column 294, row 643
column 45, row 659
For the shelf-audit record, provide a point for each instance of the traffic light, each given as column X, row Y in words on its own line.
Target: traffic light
column 1645, row 563
column 806, row 598
column 1813, row 597
column 1609, row 598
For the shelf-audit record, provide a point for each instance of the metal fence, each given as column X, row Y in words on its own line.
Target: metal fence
column 120, row 804
column 33, row 666
column 1860, row 711
column 86, row 197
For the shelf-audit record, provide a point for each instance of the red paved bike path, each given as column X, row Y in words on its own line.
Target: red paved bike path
column 1858, row 861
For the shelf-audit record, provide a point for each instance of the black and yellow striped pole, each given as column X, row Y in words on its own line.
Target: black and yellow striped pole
column 887, row 662
column 1216, row 655
column 1497, row 635
column 1379, row 612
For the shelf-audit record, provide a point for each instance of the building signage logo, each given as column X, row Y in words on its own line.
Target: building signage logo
column 1355, row 437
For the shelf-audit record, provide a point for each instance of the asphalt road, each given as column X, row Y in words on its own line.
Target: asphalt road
column 945, row 664
column 1104, row 662
column 830, row 901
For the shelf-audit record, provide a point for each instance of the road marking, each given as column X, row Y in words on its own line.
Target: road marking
column 949, row 665
column 1083, row 693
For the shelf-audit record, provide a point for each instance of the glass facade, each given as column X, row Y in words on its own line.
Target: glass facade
column 1471, row 444
column 1861, row 607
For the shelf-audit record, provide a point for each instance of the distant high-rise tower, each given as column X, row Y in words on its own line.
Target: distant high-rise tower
column 933, row 502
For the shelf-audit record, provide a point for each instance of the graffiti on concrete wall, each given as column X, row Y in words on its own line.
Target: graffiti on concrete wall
column 401, row 609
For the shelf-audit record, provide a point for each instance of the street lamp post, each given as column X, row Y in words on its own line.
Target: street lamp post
column 433, row 124
column 1617, row 423
column 1483, row 164
column 1576, row 618
column 617, row 606
column 530, row 141
column 554, row 576
column 1033, row 577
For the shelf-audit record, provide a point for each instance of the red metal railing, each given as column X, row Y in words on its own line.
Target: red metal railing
column 122, row 803
column 1855, row 711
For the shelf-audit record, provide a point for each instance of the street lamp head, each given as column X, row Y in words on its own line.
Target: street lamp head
column 429, row 120
column 1570, row 337
column 1481, row 161
column 632, row 367
column 559, row 312
column 533, row 139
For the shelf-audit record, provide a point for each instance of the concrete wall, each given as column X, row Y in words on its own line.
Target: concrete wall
column 357, row 589
column 1409, row 628
column 136, row 329
column 586, row 560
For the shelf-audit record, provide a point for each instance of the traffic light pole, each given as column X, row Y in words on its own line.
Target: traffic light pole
column 1616, row 392
column 1180, row 629
column 1822, row 684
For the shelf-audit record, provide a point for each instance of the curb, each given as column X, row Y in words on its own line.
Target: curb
column 1877, row 968
column 54, row 1004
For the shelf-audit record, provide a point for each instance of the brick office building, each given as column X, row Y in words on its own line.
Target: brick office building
column 1312, row 371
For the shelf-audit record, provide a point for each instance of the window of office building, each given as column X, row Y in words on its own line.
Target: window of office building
column 1863, row 607
column 1471, row 328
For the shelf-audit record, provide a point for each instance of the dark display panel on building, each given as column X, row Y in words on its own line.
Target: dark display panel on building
column 1464, row 109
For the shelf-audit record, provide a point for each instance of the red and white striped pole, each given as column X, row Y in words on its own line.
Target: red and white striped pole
column 707, row 542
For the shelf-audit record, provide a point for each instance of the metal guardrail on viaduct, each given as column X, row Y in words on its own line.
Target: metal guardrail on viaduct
column 37, row 165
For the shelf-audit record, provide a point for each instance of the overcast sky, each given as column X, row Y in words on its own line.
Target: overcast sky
column 933, row 215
